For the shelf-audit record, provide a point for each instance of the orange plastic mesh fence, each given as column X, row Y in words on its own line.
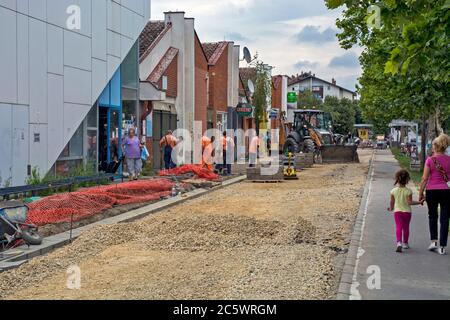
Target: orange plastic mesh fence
column 198, row 170
column 88, row 202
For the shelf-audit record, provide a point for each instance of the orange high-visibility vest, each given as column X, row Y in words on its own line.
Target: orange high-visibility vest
column 226, row 142
column 254, row 144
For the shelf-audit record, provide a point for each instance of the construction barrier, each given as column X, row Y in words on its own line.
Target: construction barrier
column 88, row 202
column 198, row 170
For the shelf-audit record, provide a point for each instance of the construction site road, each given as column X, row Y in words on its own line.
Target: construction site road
column 248, row 241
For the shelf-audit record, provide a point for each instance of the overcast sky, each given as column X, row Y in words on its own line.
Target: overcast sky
column 291, row 35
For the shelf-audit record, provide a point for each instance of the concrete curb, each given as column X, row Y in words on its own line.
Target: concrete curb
column 345, row 285
column 59, row 240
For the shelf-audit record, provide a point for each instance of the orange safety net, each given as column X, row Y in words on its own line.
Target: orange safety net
column 88, row 202
column 198, row 170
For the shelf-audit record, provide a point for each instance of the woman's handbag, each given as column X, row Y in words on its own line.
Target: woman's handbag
column 441, row 170
column 144, row 154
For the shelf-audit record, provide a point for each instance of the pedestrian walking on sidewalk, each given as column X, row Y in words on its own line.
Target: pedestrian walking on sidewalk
column 131, row 149
column 436, row 183
column 401, row 202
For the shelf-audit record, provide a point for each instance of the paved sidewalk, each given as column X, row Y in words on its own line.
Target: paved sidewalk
column 414, row 274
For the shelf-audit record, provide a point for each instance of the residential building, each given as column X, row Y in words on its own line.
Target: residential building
column 173, row 79
column 245, row 96
column 183, row 80
column 223, row 66
column 320, row 88
column 68, row 83
column 250, row 74
column 279, row 99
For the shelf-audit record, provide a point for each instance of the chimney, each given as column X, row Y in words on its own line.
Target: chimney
column 333, row 81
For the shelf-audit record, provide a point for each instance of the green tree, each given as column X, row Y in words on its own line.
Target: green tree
column 405, row 61
column 307, row 100
column 263, row 92
column 359, row 119
column 342, row 112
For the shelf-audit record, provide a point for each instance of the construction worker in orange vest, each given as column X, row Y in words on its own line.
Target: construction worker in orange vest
column 208, row 152
column 228, row 148
column 253, row 151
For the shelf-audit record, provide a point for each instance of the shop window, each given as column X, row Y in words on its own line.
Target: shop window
column 130, row 69
column 129, row 115
column 71, row 158
column 74, row 149
column 68, row 167
column 210, row 119
column 76, row 143
column 92, row 117
column 115, row 89
column 222, row 121
column 92, row 146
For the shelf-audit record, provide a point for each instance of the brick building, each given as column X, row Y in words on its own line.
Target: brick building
column 167, row 77
column 183, row 81
column 223, row 84
column 246, row 74
column 201, row 84
column 279, row 99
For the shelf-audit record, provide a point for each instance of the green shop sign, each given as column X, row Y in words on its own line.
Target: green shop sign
column 292, row 97
column 244, row 110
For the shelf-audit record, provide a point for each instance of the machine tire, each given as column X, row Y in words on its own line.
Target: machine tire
column 31, row 237
column 291, row 146
column 309, row 146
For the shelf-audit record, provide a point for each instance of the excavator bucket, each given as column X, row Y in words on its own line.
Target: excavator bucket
column 340, row 154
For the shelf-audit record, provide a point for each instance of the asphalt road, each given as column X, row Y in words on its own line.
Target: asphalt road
column 381, row 272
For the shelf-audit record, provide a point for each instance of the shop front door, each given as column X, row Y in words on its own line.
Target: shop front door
column 110, row 136
column 162, row 122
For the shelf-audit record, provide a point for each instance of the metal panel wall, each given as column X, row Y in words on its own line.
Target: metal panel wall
column 5, row 143
column 19, row 141
column 41, row 60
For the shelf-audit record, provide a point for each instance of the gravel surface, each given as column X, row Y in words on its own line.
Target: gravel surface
column 247, row 241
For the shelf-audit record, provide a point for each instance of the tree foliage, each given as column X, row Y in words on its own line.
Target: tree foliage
column 405, row 62
column 263, row 91
column 307, row 100
column 343, row 113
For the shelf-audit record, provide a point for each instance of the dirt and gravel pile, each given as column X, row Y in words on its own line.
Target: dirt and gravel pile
column 247, row 241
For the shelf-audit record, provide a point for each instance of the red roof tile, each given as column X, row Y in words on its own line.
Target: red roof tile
column 214, row 51
column 152, row 33
column 162, row 66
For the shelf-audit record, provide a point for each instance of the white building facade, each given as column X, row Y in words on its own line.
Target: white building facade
column 178, row 34
column 320, row 88
column 56, row 59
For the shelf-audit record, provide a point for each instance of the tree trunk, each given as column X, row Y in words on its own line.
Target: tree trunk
column 423, row 156
column 438, row 122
